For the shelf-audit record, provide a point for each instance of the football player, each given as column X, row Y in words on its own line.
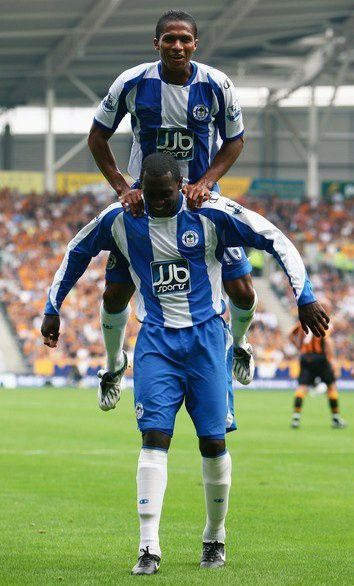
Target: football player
column 173, row 256
column 316, row 367
column 191, row 111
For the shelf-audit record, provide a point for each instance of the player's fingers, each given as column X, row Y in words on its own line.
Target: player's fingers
column 321, row 319
column 325, row 316
column 304, row 327
column 317, row 330
column 140, row 207
column 51, row 342
column 191, row 203
column 199, row 200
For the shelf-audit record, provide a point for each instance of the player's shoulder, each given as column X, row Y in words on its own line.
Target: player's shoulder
column 211, row 73
column 223, row 204
column 109, row 214
column 137, row 72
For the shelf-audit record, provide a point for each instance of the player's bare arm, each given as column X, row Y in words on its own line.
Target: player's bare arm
column 313, row 317
column 104, row 157
column 200, row 190
column 50, row 330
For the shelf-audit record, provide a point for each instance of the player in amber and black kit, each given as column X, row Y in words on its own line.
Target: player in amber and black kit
column 316, row 365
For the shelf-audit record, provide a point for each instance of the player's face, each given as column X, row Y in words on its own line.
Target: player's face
column 161, row 194
column 176, row 45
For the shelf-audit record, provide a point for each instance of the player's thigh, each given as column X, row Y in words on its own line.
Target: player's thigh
column 119, row 286
column 307, row 373
column 159, row 379
column 207, row 380
column 327, row 373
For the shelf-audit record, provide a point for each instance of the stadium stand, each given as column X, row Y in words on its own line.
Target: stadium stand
column 36, row 228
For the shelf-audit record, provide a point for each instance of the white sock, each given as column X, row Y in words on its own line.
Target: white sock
column 151, row 482
column 241, row 320
column 217, row 483
column 113, row 330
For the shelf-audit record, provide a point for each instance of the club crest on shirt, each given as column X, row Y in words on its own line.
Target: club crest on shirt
column 190, row 238
column 139, row 410
column 200, row 112
column 233, row 112
column 111, row 262
column 110, row 103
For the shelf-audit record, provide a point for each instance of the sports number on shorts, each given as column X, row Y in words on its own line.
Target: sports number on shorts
column 171, row 276
column 177, row 141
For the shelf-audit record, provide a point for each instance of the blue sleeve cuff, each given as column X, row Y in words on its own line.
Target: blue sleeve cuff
column 49, row 308
column 307, row 295
column 234, row 137
column 103, row 126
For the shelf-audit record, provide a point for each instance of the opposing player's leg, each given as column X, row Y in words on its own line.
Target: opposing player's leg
column 114, row 314
column 207, row 402
column 243, row 304
column 332, row 392
column 158, row 395
column 300, row 395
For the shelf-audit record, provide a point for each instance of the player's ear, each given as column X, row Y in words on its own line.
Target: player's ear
column 196, row 44
column 156, row 44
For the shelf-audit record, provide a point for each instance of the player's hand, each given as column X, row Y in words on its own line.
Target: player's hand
column 50, row 330
column 313, row 317
column 132, row 200
column 196, row 193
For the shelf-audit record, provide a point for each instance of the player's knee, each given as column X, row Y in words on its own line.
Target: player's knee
column 156, row 439
column 241, row 291
column 116, row 296
column 211, row 448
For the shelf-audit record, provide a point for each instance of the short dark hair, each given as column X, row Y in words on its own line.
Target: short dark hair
column 172, row 15
column 158, row 164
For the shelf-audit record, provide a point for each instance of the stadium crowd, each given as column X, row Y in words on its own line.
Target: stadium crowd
column 34, row 231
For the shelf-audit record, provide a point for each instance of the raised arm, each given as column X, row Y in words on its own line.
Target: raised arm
column 104, row 157
column 109, row 114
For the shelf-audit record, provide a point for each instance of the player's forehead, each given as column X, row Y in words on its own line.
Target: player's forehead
column 160, row 182
column 177, row 28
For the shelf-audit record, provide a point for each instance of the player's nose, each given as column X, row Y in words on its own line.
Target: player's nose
column 177, row 45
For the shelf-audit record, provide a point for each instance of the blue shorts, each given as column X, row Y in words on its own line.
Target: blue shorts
column 235, row 265
column 187, row 364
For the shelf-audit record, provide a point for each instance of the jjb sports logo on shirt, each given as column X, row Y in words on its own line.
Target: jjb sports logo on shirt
column 177, row 141
column 170, row 276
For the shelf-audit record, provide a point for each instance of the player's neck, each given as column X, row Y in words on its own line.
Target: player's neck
column 176, row 77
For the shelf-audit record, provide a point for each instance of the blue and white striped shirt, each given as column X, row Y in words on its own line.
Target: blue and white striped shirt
column 175, row 262
column 187, row 121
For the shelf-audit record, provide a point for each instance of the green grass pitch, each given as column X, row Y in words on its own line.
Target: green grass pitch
column 67, row 482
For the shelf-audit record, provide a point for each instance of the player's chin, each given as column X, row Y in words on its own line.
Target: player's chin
column 176, row 64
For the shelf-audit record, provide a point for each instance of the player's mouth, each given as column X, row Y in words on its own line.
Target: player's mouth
column 177, row 58
column 164, row 209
